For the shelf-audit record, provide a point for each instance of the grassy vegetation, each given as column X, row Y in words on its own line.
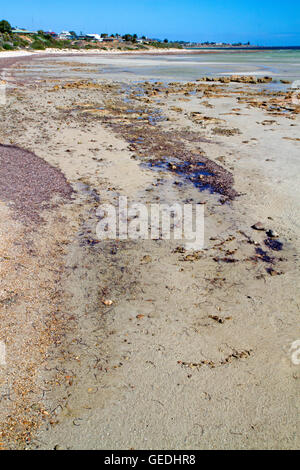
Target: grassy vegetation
column 166, row 45
column 40, row 41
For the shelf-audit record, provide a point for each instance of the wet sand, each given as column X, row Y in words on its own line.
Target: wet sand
column 8, row 59
column 144, row 344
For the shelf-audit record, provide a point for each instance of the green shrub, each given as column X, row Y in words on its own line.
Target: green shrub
column 8, row 47
column 19, row 42
column 38, row 45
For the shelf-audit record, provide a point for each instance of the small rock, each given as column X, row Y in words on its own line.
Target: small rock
column 258, row 226
column 272, row 234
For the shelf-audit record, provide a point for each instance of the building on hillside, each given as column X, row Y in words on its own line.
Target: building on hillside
column 52, row 34
column 22, row 31
column 65, row 35
column 111, row 39
column 96, row 37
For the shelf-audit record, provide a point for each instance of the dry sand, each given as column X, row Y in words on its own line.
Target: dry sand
column 193, row 351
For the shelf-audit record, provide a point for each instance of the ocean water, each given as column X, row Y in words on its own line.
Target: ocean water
column 280, row 64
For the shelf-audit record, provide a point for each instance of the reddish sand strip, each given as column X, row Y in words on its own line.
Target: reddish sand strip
column 29, row 182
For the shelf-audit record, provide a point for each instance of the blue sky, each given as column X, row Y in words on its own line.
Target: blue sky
column 262, row 22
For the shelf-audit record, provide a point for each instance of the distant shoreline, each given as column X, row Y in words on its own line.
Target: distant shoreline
column 245, row 48
column 17, row 54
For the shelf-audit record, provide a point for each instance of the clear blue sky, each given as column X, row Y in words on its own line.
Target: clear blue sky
column 262, row 22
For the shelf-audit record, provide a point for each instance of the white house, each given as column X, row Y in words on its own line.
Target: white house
column 96, row 37
column 65, row 35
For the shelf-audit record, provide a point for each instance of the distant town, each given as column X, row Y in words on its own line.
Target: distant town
column 12, row 38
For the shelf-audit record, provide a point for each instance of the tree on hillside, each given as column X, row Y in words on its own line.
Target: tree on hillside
column 166, row 41
column 127, row 37
column 5, row 27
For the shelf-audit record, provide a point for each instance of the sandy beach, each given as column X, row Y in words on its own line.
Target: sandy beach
column 144, row 344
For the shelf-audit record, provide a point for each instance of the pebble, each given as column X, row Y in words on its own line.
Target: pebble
column 258, row 226
column 272, row 234
column 146, row 259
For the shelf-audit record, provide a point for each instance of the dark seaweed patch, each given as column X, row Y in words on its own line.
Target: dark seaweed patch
column 275, row 245
column 263, row 255
column 192, row 172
